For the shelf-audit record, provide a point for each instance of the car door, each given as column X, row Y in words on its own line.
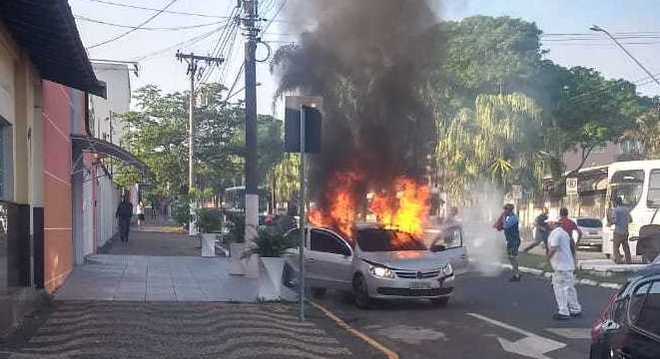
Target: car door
column 450, row 247
column 644, row 338
column 328, row 261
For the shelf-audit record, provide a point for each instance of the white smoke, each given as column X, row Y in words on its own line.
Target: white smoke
column 485, row 245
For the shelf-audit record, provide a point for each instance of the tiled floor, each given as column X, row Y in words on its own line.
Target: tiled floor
column 157, row 279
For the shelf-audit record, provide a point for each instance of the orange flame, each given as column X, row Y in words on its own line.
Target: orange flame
column 404, row 206
column 405, row 209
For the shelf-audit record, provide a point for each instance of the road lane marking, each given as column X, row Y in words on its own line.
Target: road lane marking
column 531, row 346
column 571, row 333
column 371, row 341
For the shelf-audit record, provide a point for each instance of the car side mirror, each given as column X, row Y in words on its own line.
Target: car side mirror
column 437, row 248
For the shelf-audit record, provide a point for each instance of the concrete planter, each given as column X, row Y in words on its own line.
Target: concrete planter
column 236, row 266
column 208, row 244
column 270, row 280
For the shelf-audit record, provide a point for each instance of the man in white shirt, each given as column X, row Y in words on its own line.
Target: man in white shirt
column 563, row 279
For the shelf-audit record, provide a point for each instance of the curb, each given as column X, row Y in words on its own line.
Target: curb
column 582, row 281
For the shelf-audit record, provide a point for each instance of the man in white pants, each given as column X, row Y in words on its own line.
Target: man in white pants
column 563, row 279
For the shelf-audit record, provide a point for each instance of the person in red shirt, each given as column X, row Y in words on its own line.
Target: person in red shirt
column 569, row 226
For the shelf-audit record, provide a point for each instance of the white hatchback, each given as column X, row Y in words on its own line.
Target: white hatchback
column 592, row 231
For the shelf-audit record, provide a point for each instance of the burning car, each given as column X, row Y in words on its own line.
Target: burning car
column 378, row 263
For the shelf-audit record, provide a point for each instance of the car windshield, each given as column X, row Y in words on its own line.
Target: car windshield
column 383, row 240
column 589, row 222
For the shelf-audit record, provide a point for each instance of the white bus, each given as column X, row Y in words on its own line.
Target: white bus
column 637, row 184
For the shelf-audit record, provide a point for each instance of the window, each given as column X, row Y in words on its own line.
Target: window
column 627, row 185
column 6, row 160
column 650, row 311
column 637, row 301
column 589, row 222
column 326, row 242
column 653, row 198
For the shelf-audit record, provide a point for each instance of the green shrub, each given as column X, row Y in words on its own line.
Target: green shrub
column 271, row 242
column 236, row 225
column 209, row 220
column 181, row 212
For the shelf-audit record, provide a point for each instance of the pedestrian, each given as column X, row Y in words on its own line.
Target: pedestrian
column 563, row 276
column 571, row 228
column 154, row 210
column 541, row 231
column 621, row 219
column 508, row 222
column 124, row 214
column 139, row 210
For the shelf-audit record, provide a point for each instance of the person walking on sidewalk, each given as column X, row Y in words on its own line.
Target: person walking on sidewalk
column 140, row 214
column 563, row 279
column 124, row 214
column 541, row 231
column 621, row 219
column 508, row 222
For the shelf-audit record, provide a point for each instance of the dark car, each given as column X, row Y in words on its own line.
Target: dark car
column 629, row 326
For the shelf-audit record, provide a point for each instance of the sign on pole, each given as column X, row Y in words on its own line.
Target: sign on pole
column 302, row 133
column 572, row 185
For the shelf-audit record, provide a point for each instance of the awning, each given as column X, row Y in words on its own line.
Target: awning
column 47, row 31
column 95, row 145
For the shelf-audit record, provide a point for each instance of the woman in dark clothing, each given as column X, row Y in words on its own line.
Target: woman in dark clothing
column 124, row 214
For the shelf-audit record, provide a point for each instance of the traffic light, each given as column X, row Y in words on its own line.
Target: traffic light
column 313, row 124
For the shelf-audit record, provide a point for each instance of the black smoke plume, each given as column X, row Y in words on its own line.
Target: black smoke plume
column 367, row 59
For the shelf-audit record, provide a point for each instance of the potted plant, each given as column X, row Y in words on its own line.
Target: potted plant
column 236, row 239
column 270, row 245
column 209, row 223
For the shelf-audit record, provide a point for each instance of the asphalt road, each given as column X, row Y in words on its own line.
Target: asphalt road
column 488, row 317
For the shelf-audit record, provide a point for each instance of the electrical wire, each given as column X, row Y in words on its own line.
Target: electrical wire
column 188, row 42
column 175, row 28
column 133, row 29
column 112, row 3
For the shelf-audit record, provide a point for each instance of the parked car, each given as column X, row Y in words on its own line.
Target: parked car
column 592, row 231
column 629, row 326
column 380, row 263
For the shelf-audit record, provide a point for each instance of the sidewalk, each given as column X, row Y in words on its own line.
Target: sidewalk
column 107, row 330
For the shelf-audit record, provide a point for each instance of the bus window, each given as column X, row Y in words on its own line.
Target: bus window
column 627, row 185
column 653, row 198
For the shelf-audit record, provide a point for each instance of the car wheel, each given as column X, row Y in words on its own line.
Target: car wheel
column 608, row 256
column 440, row 302
column 361, row 293
column 318, row 292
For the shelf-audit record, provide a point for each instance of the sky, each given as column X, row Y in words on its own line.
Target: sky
column 155, row 47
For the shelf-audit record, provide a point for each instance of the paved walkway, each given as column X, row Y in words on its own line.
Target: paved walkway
column 154, row 241
column 157, row 278
column 104, row 330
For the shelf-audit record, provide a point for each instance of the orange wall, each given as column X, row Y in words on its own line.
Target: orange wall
column 58, row 235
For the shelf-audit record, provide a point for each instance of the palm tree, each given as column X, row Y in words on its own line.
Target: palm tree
column 646, row 132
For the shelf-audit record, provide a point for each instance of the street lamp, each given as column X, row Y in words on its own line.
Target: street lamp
column 600, row 29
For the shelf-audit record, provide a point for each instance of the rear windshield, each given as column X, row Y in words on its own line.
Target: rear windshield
column 589, row 222
column 381, row 240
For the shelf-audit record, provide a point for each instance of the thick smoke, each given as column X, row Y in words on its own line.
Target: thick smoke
column 366, row 58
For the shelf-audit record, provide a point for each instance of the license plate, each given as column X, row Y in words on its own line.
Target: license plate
column 420, row 285
column 593, row 232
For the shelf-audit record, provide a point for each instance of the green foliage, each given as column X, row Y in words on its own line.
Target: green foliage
column 236, row 225
column 208, row 220
column 286, row 178
column 271, row 242
column 181, row 211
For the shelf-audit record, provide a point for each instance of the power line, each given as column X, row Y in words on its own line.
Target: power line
column 87, row 19
column 187, row 42
column 111, row 3
column 134, row 29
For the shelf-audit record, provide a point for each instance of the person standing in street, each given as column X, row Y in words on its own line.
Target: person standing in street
column 508, row 222
column 621, row 219
column 124, row 214
column 563, row 278
column 541, row 231
column 571, row 228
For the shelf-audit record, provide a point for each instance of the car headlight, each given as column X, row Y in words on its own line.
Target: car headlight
column 447, row 270
column 381, row 272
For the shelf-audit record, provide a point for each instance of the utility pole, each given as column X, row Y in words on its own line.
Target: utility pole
column 251, row 181
column 192, row 60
